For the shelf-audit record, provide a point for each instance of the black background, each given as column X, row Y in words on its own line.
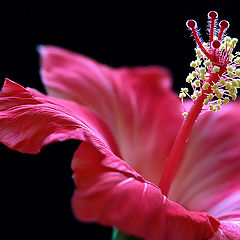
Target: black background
column 36, row 190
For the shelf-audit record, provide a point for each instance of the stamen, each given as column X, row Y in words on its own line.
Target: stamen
column 224, row 25
column 213, row 16
column 191, row 24
column 219, row 67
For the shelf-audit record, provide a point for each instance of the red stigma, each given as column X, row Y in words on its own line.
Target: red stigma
column 213, row 44
column 216, row 44
column 224, row 25
column 212, row 15
column 191, row 24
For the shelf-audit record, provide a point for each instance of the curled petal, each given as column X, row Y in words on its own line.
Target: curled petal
column 115, row 197
column 30, row 120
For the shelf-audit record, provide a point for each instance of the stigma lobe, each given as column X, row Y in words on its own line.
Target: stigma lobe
column 191, row 24
column 216, row 44
column 224, row 25
column 212, row 15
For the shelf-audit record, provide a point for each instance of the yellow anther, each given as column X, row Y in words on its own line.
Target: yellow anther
column 193, row 64
column 223, row 46
column 210, row 96
column 202, row 70
column 238, row 53
column 196, row 83
column 198, row 93
column 228, row 85
column 238, row 72
column 216, row 69
column 223, row 82
column 218, row 106
column 234, row 42
column 214, row 86
column 194, row 73
column 184, row 90
column 219, row 101
column 185, row 114
column 227, row 39
column 226, row 100
column 229, row 44
column 207, row 63
column 198, row 53
column 182, row 95
column 230, row 68
column 237, row 60
column 215, row 90
column 234, row 83
column 206, row 102
column 189, row 78
column 198, row 62
column 219, row 94
column 202, row 76
column 211, row 107
column 193, row 96
column 232, row 90
column 234, row 96
column 231, row 74
column 205, row 86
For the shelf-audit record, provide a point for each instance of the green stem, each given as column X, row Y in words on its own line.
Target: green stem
column 117, row 235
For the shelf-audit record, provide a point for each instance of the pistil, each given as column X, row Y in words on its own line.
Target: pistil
column 215, row 79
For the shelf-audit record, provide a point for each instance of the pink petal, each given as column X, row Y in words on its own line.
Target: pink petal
column 30, row 120
column 136, row 104
column 229, row 230
column 210, row 174
column 111, row 193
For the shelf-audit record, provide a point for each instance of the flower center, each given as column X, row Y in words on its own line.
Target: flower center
column 216, row 74
column 214, row 81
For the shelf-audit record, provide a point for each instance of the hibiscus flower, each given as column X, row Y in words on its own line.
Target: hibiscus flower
column 143, row 166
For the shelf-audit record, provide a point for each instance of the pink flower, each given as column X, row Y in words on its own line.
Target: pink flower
column 128, row 120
